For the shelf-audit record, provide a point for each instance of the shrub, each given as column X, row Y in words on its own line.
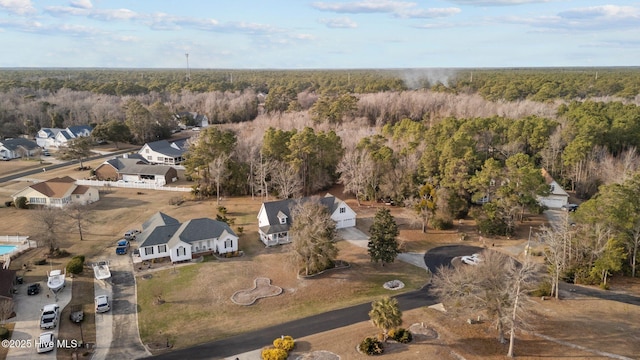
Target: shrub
column 285, row 343
column 401, row 335
column 4, row 333
column 371, row 346
column 75, row 265
column 441, row 224
column 274, row 354
column 543, row 289
column 21, row 202
column 8, row 203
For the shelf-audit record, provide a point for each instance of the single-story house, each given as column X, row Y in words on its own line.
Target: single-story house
column 557, row 196
column 274, row 217
column 58, row 192
column 55, row 137
column 163, row 236
column 17, row 148
column 134, row 168
column 164, row 152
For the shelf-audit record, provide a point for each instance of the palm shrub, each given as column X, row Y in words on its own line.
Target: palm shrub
column 401, row 335
column 371, row 346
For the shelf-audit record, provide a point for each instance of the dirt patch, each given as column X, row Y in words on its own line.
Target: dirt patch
column 262, row 288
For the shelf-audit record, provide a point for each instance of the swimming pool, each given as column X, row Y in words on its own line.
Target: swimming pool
column 5, row 249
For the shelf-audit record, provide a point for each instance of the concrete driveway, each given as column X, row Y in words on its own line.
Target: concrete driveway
column 358, row 238
column 117, row 332
column 27, row 320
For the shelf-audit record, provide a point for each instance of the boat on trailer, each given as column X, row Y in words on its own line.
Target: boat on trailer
column 55, row 280
column 101, row 270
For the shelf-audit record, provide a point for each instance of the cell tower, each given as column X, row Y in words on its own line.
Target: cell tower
column 188, row 71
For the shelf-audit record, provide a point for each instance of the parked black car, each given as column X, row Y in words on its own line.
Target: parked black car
column 33, row 289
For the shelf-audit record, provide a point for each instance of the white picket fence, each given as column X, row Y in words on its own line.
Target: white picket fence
column 148, row 186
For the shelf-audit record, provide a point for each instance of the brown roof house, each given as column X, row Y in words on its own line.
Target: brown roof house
column 58, row 192
column 134, row 168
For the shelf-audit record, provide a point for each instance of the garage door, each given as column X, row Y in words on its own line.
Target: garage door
column 344, row 223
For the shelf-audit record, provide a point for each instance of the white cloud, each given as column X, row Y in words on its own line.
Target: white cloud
column 608, row 17
column 83, row 4
column 341, row 23
column 429, row 13
column 497, row 2
column 366, row 6
column 19, row 7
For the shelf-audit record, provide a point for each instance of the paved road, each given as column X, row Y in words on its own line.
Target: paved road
column 297, row 328
column 60, row 165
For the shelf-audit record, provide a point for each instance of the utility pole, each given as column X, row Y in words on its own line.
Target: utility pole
column 188, row 71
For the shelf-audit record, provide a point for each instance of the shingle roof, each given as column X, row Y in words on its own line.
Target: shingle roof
column 79, row 129
column 158, row 235
column 201, row 229
column 272, row 209
column 159, row 219
column 157, row 231
column 144, row 169
column 13, row 144
column 56, row 187
column 166, row 148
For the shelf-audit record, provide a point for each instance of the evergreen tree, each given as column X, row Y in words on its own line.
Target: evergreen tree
column 383, row 245
column 385, row 314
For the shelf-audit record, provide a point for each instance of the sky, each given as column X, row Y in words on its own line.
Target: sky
column 333, row 34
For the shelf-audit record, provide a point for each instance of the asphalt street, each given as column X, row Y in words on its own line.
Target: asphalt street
column 297, row 328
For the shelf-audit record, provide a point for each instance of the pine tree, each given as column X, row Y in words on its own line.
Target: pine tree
column 383, row 245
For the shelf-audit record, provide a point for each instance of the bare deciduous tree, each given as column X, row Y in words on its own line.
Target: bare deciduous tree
column 78, row 214
column 495, row 287
column 47, row 223
column 285, row 180
column 355, row 170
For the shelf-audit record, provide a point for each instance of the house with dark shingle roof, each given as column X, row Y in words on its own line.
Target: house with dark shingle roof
column 134, row 168
column 55, row 137
column 165, row 237
column 58, row 192
column 164, row 152
column 274, row 217
column 17, row 148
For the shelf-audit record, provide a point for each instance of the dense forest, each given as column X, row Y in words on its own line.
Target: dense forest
column 436, row 141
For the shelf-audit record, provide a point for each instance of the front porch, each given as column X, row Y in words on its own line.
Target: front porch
column 275, row 238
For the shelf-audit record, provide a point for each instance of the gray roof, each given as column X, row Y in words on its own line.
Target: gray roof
column 272, row 209
column 145, row 169
column 13, row 144
column 164, row 147
column 79, row 129
column 190, row 231
column 120, row 163
column 159, row 219
column 158, row 235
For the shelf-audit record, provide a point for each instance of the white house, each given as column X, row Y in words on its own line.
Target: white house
column 55, row 137
column 163, row 236
column 274, row 218
column 557, row 196
column 185, row 118
column 164, row 152
column 58, row 192
column 17, row 147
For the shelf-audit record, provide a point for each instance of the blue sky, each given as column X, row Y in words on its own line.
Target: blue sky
column 295, row 34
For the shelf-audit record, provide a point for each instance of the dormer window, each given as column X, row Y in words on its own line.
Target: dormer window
column 282, row 217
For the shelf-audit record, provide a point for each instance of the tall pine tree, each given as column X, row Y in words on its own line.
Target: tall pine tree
column 383, row 245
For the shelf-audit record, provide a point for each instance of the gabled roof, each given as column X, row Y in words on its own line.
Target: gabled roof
column 555, row 190
column 13, row 144
column 51, row 132
column 78, row 130
column 283, row 207
column 165, row 147
column 202, row 229
column 56, row 187
column 157, row 235
column 145, row 169
column 159, row 219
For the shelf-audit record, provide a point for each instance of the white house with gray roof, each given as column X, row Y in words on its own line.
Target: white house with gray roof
column 164, row 152
column 17, row 147
column 165, row 237
column 274, row 217
column 55, row 137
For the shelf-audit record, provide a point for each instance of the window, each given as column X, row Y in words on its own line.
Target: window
column 228, row 244
column 148, row 251
column 162, row 248
column 35, row 200
column 343, row 210
column 146, row 151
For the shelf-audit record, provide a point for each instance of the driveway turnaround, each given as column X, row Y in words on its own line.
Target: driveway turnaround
column 27, row 329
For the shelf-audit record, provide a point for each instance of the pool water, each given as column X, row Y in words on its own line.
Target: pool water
column 5, row 249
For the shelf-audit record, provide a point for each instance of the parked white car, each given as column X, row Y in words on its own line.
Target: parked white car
column 474, row 259
column 49, row 316
column 102, row 303
column 46, row 342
